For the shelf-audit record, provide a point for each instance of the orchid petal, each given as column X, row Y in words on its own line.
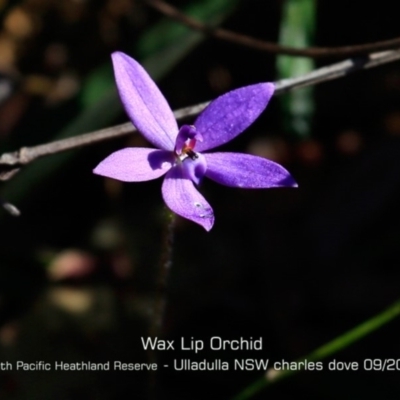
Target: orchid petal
column 231, row 113
column 246, row 171
column 182, row 198
column 144, row 103
column 135, row 164
column 194, row 168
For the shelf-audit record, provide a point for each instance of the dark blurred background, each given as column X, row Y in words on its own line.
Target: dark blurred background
column 295, row 266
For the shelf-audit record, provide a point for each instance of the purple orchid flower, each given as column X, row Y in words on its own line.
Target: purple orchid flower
column 179, row 157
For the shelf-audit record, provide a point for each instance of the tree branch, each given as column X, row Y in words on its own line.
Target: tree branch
column 11, row 162
column 270, row 47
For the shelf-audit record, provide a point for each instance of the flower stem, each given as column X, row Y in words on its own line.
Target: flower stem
column 332, row 347
column 160, row 297
column 160, row 300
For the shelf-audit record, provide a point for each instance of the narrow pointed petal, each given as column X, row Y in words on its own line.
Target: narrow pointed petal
column 144, row 103
column 231, row 113
column 135, row 164
column 246, row 171
column 182, row 198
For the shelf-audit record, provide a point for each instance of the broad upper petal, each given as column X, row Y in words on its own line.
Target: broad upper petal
column 135, row 164
column 246, row 171
column 144, row 103
column 231, row 113
column 181, row 196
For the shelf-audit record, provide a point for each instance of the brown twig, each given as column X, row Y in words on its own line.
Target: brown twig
column 270, row 47
column 10, row 162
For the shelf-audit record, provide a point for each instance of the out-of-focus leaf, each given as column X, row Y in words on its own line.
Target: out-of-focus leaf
column 297, row 30
column 99, row 97
column 210, row 11
column 96, row 85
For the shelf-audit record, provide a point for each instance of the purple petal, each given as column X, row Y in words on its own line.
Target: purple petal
column 231, row 113
column 246, row 171
column 144, row 103
column 194, row 168
column 182, row 198
column 135, row 164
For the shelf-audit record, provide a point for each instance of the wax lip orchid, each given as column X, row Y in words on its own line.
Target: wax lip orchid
column 180, row 154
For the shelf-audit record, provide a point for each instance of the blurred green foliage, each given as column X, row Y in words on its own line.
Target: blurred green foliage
column 297, row 30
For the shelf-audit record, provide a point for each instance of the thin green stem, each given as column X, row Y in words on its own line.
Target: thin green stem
column 272, row 376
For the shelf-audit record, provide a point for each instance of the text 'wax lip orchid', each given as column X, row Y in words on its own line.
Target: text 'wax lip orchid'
column 180, row 154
